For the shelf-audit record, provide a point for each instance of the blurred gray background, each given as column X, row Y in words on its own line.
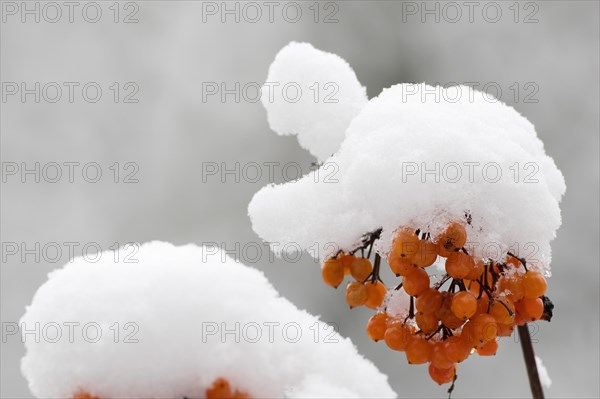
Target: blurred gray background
column 170, row 132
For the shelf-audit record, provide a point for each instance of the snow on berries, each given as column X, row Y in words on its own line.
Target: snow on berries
column 415, row 155
column 183, row 322
column 445, row 319
column 424, row 176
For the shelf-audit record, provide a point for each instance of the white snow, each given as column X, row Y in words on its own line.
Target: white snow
column 313, row 94
column 397, row 304
column 382, row 180
column 543, row 373
column 182, row 299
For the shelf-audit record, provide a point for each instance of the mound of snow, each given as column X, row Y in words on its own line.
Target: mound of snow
column 423, row 156
column 314, row 95
column 174, row 322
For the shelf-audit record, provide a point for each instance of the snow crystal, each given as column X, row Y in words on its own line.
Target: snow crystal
column 543, row 373
column 313, row 94
column 424, row 156
column 194, row 315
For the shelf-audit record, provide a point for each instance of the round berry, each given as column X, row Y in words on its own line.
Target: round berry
column 503, row 311
column 534, row 284
column 377, row 325
column 406, row 243
column 511, row 287
column 530, row 309
column 488, row 349
column 429, row 301
column 454, row 237
column 376, row 293
column 459, row 265
column 416, row 282
column 426, row 255
column 360, row 268
column 442, row 376
column 333, row 272
column 458, row 348
column 397, row 336
column 399, row 266
column 418, row 350
column 464, row 305
column 439, row 355
column 427, row 322
column 356, row 294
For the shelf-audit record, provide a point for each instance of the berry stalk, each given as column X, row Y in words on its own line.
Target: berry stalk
column 532, row 372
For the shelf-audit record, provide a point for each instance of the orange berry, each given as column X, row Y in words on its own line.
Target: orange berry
column 400, row 266
column 442, row 376
column 346, row 260
column 506, row 330
column 511, row 287
column 360, row 268
column 459, row 265
column 450, row 320
column 397, row 336
column 454, row 237
column 427, row 322
column 416, row 282
column 333, row 272
column 534, row 284
column 418, row 350
column 500, row 312
column 377, row 326
column 439, row 355
column 357, row 294
column 477, row 271
column 463, row 305
column 406, row 243
column 458, row 348
column 220, row 389
column 482, row 305
column 426, row 255
column 473, row 287
column 445, row 314
column 429, row 301
column 488, row 349
column 376, row 293
column 530, row 308
column 480, row 329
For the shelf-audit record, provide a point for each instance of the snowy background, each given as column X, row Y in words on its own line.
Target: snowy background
column 172, row 134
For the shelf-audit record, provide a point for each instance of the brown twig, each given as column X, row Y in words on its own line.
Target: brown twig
column 532, row 372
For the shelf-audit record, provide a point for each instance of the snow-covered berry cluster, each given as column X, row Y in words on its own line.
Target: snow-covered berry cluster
column 206, row 326
column 487, row 226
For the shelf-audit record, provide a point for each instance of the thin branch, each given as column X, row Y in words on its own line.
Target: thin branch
column 532, row 372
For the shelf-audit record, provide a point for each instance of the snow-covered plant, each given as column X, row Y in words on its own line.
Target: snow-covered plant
column 423, row 175
column 183, row 322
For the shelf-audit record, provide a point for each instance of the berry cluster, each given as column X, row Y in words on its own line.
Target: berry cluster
column 220, row 389
column 484, row 300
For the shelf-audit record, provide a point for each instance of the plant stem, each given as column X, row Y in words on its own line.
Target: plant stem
column 532, row 372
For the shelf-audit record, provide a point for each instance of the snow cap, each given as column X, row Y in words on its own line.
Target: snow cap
column 174, row 322
column 422, row 156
